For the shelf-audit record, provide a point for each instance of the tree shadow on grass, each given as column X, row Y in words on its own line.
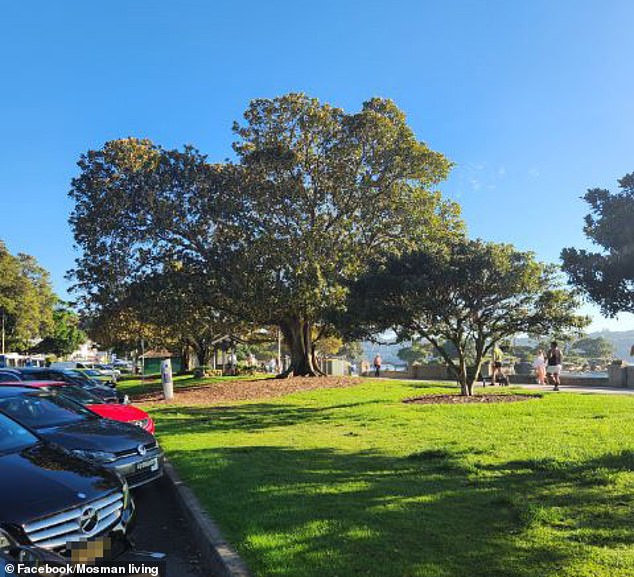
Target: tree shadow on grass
column 324, row 513
column 245, row 418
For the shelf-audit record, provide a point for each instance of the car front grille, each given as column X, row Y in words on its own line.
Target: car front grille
column 129, row 452
column 56, row 531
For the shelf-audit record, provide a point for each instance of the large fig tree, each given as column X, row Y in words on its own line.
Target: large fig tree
column 326, row 193
column 315, row 196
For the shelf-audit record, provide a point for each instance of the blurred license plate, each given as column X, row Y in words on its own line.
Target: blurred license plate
column 152, row 465
column 91, row 551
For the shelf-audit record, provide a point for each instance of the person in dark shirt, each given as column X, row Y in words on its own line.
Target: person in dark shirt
column 553, row 365
column 377, row 365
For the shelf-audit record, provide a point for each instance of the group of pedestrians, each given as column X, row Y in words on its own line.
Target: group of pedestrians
column 548, row 366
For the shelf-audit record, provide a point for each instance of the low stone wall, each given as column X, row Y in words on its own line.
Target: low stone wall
column 431, row 373
column 390, row 374
column 618, row 376
column 621, row 375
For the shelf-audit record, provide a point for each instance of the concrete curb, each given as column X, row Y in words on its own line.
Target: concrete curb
column 218, row 555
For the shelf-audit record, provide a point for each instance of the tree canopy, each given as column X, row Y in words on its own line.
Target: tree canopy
column 607, row 277
column 471, row 294
column 594, row 347
column 65, row 336
column 26, row 300
column 315, row 196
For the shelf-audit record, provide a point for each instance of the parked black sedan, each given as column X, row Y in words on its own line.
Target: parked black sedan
column 127, row 449
column 53, row 499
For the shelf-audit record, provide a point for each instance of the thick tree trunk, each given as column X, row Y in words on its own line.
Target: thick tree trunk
column 202, row 353
column 298, row 336
column 185, row 356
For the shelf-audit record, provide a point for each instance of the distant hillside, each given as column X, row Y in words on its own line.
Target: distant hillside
column 387, row 352
column 622, row 340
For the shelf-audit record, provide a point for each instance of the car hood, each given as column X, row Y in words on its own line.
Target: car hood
column 43, row 480
column 122, row 413
column 98, row 435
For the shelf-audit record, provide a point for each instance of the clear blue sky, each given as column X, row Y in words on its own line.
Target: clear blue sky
column 533, row 100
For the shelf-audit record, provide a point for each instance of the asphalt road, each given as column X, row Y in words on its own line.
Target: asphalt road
column 161, row 527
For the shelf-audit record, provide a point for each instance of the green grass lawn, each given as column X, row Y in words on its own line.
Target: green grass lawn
column 352, row 482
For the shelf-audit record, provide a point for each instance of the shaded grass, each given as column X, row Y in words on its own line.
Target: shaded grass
column 346, row 482
column 152, row 383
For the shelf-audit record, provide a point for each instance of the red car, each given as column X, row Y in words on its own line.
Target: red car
column 115, row 412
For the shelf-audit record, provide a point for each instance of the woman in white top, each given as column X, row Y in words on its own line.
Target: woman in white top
column 539, row 364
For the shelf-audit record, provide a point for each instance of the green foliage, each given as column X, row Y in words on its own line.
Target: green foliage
column 352, row 351
column 470, row 294
column 146, row 219
column 274, row 239
column 594, row 348
column 26, row 300
column 329, row 346
column 327, row 192
column 65, row 336
column 418, row 352
column 607, row 277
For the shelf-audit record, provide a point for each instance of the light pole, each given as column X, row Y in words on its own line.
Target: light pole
column 279, row 350
column 3, row 331
column 142, row 359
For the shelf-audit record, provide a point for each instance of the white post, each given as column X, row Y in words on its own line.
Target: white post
column 166, row 379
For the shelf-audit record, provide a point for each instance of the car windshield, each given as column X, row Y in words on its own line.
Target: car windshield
column 91, row 372
column 80, row 395
column 79, row 378
column 44, row 410
column 13, row 436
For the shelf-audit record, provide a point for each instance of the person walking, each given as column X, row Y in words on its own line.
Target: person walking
column 496, row 375
column 553, row 367
column 539, row 364
column 377, row 365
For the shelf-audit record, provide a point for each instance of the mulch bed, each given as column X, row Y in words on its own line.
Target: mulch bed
column 245, row 390
column 441, row 399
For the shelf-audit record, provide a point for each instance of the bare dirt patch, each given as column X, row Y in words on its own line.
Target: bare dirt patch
column 246, row 390
column 442, row 399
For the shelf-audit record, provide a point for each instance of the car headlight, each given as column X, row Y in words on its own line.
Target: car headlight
column 6, row 542
column 96, row 456
column 143, row 423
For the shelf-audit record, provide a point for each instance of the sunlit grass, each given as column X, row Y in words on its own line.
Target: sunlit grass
column 346, row 482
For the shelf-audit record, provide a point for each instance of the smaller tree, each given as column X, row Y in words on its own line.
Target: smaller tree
column 607, row 277
column 352, row 351
column 328, row 346
column 594, row 348
column 65, row 336
column 26, row 300
column 417, row 352
column 471, row 294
